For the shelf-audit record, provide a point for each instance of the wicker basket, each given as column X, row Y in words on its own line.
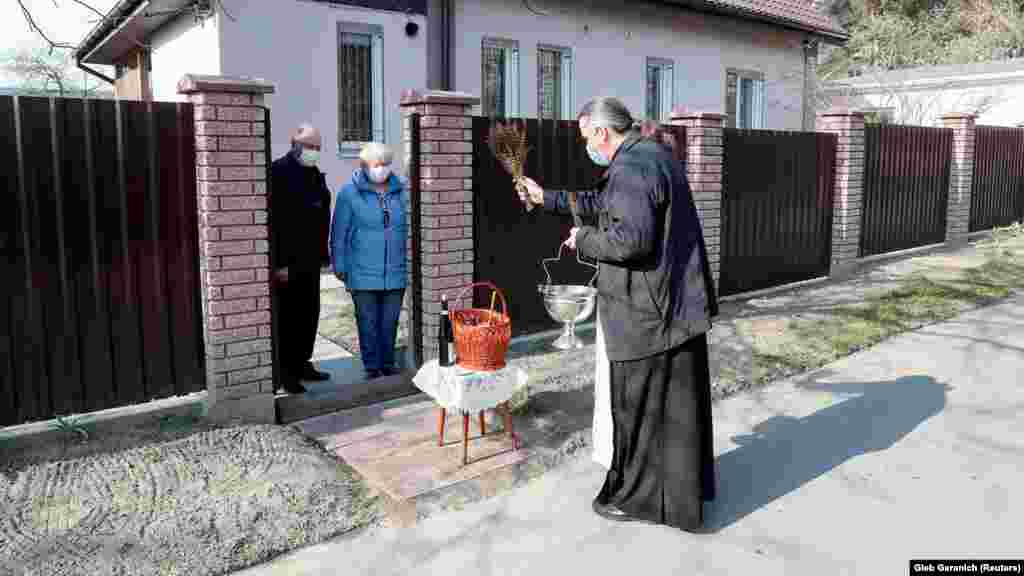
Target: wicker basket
column 481, row 336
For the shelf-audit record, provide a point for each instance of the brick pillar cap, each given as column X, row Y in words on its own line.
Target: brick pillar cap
column 681, row 113
column 415, row 97
column 959, row 116
column 194, row 83
column 841, row 111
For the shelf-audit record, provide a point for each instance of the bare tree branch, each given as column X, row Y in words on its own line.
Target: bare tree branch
column 200, row 8
column 87, row 7
column 32, row 24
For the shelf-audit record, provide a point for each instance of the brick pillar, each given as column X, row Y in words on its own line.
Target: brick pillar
column 231, row 168
column 704, row 171
column 446, row 200
column 848, row 125
column 958, row 214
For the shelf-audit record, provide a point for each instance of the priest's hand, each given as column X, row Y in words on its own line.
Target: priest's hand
column 571, row 240
column 530, row 193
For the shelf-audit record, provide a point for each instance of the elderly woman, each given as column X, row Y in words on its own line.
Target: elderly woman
column 655, row 304
column 367, row 242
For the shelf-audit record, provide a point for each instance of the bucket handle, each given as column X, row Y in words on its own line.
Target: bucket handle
column 561, row 246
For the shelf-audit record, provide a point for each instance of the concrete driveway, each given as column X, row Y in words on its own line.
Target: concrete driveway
column 913, row 449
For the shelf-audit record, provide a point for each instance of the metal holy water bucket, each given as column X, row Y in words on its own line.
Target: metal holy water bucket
column 568, row 304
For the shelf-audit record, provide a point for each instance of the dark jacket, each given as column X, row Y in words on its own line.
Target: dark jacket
column 369, row 253
column 300, row 215
column 655, row 289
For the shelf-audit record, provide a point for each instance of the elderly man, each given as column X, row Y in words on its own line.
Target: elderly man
column 300, row 220
column 655, row 304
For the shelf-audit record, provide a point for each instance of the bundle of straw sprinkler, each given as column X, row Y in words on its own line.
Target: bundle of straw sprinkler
column 508, row 144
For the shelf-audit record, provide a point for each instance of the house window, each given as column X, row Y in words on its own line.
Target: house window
column 660, row 89
column 554, row 83
column 500, row 78
column 745, row 101
column 360, row 86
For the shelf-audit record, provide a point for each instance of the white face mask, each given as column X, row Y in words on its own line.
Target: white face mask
column 379, row 174
column 309, row 157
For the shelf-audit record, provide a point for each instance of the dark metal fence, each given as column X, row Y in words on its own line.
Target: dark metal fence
column 509, row 242
column 776, row 208
column 997, row 190
column 906, row 186
column 99, row 304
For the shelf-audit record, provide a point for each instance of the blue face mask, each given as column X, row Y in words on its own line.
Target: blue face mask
column 596, row 157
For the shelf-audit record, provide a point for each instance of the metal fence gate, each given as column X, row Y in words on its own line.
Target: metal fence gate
column 997, row 190
column 776, row 208
column 906, row 185
column 100, row 304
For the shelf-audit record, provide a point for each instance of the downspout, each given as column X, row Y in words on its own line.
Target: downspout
column 810, row 87
column 447, row 53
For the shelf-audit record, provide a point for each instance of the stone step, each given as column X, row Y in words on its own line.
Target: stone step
column 394, row 446
column 327, row 397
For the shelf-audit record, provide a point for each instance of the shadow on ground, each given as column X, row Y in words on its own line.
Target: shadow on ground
column 784, row 453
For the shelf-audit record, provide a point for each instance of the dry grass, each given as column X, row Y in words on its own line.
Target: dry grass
column 920, row 300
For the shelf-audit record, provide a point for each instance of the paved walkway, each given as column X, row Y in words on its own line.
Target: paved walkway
column 914, row 448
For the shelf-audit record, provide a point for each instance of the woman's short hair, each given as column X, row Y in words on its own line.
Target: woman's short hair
column 376, row 152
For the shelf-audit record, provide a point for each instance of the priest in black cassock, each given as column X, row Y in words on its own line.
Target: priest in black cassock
column 655, row 303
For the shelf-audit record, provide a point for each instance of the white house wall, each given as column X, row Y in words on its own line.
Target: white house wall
column 182, row 47
column 999, row 105
column 610, row 57
column 294, row 45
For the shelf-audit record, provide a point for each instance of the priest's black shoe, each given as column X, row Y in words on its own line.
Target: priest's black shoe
column 610, row 512
column 312, row 374
column 293, row 387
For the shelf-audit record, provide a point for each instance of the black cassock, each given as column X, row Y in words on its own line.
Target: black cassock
column 663, row 461
column 300, row 219
column 656, row 299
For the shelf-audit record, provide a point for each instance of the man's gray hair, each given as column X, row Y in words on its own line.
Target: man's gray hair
column 608, row 112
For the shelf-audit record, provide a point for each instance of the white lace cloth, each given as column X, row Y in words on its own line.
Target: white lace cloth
column 456, row 388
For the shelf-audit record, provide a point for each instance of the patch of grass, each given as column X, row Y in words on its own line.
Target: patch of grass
column 520, row 401
column 727, row 375
column 247, row 552
column 174, row 424
column 296, row 537
column 366, row 505
column 57, row 512
column 75, row 426
column 918, row 301
column 998, row 273
column 1000, row 242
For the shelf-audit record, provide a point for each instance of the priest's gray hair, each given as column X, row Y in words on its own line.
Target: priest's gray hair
column 610, row 113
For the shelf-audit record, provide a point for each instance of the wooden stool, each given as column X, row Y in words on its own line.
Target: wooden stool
column 442, row 417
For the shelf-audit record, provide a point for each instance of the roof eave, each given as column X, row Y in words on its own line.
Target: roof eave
column 828, row 35
column 128, row 25
column 104, row 29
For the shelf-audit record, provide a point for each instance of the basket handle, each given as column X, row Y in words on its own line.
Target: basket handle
column 501, row 295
